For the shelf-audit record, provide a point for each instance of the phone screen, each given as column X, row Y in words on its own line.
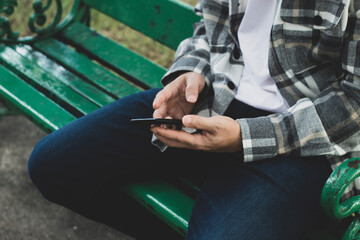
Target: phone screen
column 157, row 121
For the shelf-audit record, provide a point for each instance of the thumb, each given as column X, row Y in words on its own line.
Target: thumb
column 198, row 122
column 192, row 91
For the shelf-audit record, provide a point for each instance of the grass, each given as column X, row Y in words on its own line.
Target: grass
column 106, row 26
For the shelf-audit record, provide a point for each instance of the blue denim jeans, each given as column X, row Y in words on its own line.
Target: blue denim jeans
column 82, row 166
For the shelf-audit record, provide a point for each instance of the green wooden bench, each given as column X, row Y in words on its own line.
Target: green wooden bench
column 67, row 70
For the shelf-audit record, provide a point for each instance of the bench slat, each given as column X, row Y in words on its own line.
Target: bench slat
column 40, row 78
column 166, row 21
column 71, row 80
column 120, row 59
column 83, row 66
column 38, row 108
column 163, row 199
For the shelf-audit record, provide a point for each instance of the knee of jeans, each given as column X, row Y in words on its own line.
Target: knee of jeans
column 41, row 170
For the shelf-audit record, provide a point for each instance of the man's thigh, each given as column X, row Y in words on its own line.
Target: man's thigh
column 269, row 199
column 82, row 156
column 71, row 165
column 83, row 165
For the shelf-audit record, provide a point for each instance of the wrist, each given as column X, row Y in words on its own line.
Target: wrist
column 238, row 146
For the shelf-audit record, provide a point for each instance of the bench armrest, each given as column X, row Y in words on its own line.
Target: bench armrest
column 334, row 189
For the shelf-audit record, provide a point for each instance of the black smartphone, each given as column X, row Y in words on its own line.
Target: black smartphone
column 157, row 121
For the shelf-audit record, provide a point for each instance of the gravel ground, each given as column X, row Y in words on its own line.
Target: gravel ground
column 24, row 213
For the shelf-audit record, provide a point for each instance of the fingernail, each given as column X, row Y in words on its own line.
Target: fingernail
column 191, row 98
column 187, row 120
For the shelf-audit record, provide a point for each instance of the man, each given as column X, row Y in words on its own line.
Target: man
column 274, row 88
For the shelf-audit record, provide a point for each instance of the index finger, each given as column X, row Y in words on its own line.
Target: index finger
column 160, row 112
column 167, row 92
column 162, row 96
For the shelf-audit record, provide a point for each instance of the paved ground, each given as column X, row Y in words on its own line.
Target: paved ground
column 24, row 214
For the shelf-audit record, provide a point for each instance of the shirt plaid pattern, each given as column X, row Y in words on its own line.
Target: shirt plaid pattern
column 314, row 59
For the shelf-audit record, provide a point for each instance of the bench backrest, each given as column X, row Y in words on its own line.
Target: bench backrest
column 166, row 21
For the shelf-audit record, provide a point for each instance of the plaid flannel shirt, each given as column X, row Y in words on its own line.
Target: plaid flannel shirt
column 314, row 59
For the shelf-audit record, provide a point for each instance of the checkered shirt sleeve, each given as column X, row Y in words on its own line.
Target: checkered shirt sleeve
column 329, row 124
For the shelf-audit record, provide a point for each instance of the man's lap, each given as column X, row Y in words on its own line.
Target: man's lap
column 271, row 199
column 80, row 158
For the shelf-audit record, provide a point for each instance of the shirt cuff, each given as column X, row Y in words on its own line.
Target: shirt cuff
column 258, row 138
column 187, row 64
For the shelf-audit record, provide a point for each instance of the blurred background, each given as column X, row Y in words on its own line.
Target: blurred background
column 24, row 213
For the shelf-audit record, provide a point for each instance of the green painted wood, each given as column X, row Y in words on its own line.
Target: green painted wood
column 113, row 55
column 58, row 72
column 164, row 200
column 87, row 69
column 38, row 108
column 166, row 21
column 40, row 78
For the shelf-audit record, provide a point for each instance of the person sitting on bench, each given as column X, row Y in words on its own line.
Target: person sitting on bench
column 273, row 88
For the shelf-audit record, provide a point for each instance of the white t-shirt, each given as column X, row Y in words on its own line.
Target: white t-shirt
column 257, row 88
